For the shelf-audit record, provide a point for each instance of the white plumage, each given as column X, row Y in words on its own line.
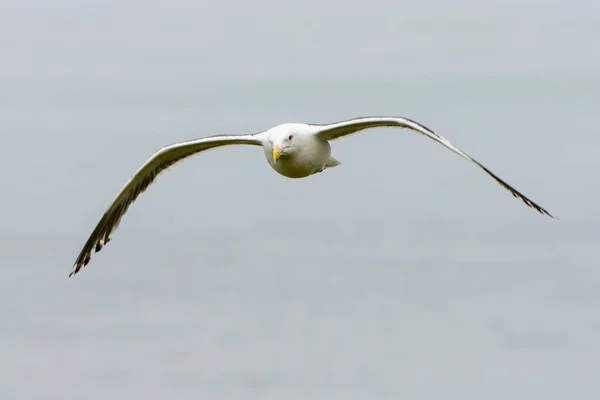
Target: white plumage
column 293, row 150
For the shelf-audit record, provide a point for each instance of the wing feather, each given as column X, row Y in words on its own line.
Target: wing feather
column 352, row 126
column 144, row 177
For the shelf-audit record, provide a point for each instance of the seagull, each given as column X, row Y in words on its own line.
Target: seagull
column 294, row 150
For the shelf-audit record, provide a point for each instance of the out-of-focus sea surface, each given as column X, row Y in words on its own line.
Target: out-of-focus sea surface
column 404, row 273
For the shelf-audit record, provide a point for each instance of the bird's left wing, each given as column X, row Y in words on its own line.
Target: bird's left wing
column 349, row 127
column 144, row 176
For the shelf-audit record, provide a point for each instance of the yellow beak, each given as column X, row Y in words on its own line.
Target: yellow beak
column 277, row 152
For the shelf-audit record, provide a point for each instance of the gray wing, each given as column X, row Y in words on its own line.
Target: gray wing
column 349, row 127
column 144, row 176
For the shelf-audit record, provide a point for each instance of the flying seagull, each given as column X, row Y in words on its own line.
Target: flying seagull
column 294, row 150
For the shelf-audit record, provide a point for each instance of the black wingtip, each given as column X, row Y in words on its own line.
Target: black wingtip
column 75, row 269
column 542, row 211
column 539, row 209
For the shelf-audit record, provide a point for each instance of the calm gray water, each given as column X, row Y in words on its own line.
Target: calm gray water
column 404, row 273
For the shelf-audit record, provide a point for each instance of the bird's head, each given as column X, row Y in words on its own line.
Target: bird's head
column 286, row 140
column 283, row 146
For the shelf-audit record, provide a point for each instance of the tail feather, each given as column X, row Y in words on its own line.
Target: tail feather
column 332, row 162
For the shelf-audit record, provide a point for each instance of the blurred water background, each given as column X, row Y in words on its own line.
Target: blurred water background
column 404, row 273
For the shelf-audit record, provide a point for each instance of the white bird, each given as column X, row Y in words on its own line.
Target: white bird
column 294, row 150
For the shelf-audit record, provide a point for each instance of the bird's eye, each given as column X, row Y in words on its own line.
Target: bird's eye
column 290, row 137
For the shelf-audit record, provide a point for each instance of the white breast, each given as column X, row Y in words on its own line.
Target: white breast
column 310, row 156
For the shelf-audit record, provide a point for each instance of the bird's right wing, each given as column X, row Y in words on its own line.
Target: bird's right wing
column 145, row 175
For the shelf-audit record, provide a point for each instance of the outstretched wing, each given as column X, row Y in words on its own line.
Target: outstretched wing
column 145, row 175
column 349, row 127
